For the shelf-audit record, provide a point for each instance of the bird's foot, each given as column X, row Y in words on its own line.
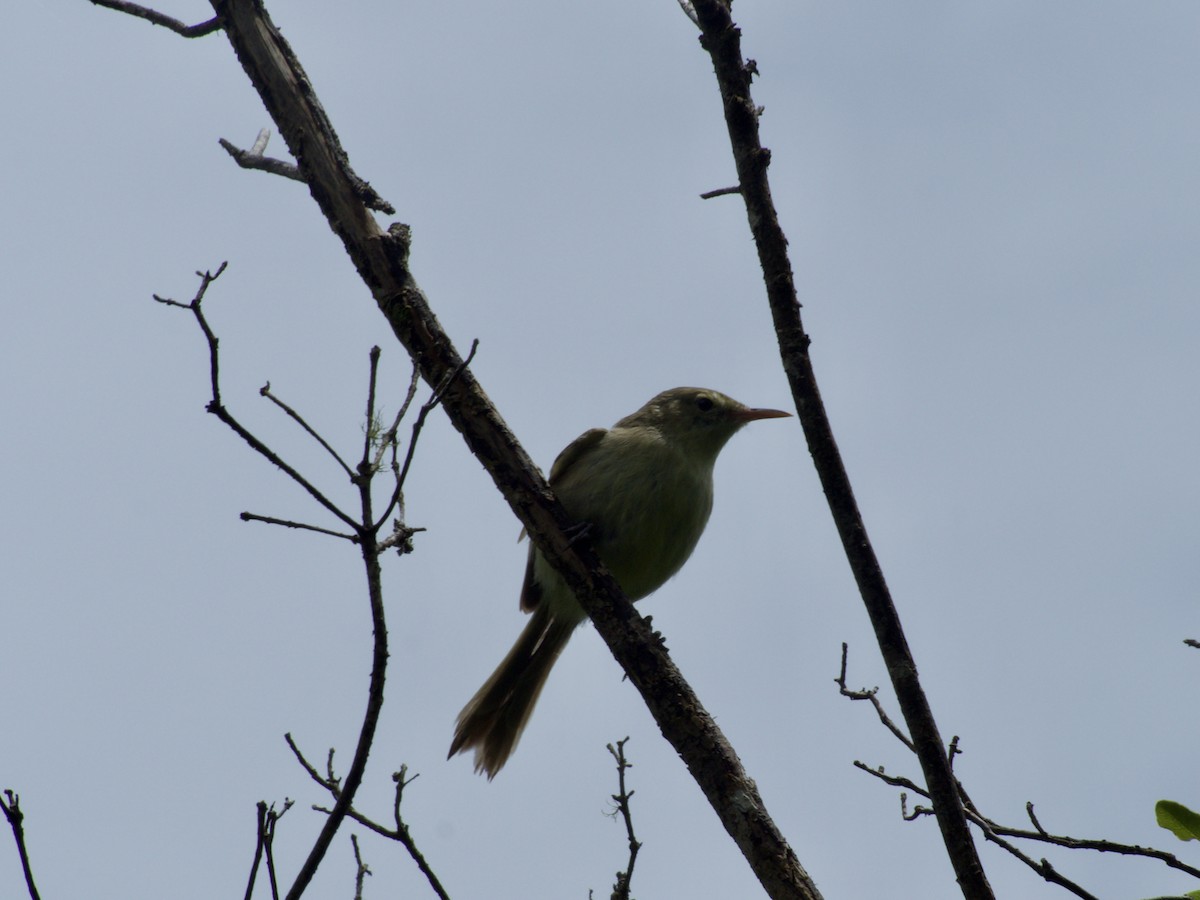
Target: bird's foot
column 578, row 532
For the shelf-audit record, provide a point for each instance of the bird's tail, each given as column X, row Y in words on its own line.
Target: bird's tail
column 493, row 720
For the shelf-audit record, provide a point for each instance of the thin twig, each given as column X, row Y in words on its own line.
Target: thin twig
column 288, row 523
column 254, row 159
column 265, row 391
column 260, row 831
column 16, row 821
column 272, row 820
column 399, row 833
column 264, row 830
column 217, row 408
column 873, row 696
column 379, row 657
column 157, row 18
column 362, row 870
column 624, row 879
column 996, row 833
column 721, row 192
column 369, row 430
column 426, row 408
column 388, row 440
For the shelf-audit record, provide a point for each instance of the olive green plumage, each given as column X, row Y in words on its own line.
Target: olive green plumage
column 644, row 487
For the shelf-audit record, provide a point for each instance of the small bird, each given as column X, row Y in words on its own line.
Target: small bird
column 643, row 489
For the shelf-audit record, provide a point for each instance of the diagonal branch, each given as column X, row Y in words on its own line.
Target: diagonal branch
column 382, row 261
column 722, row 39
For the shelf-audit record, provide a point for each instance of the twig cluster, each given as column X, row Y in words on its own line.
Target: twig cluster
column 331, row 782
column 379, row 449
column 992, row 830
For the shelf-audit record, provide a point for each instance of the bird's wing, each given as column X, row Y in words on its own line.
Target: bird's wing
column 574, row 451
column 567, row 458
column 531, row 592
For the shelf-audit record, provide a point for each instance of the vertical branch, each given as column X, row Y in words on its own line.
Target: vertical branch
column 260, row 835
column 624, row 879
column 367, row 532
column 722, row 39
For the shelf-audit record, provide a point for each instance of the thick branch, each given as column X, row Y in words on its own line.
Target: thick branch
column 722, row 39
column 382, row 261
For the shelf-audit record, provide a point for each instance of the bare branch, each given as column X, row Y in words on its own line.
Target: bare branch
column 399, row 833
column 16, row 821
column 265, row 391
column 426, row 408
column 157, row 18
column 287, row 523
column 254, row 159
column 873, row 696
column 368, row 543
column 368, row 430
column 722, row 40
column 995, row 832
column 267, row 818
column 621, row 798
column 259, row 832
column 721, row 192
column 387, row 440
column 217, row 408
column 365, row 534
column 362, row 870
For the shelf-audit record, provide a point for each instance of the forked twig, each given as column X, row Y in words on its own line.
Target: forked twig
column 400, row 833
column 993, row 831
column 624, row 880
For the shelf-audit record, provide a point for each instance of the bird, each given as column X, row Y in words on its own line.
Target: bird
column 642, row 492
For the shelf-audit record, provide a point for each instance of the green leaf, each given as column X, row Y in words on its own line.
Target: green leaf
column 1178, row 819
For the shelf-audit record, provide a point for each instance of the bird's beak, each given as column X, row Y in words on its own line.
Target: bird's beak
column 750, row 415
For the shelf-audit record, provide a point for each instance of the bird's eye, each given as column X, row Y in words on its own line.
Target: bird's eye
column 704, row 403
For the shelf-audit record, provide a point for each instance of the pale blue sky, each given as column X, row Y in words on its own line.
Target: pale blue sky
column 993, row 213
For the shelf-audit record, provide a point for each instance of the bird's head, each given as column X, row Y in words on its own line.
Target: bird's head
column 696, row 419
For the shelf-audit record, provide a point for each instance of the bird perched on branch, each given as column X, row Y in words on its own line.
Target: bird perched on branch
column 644, row 489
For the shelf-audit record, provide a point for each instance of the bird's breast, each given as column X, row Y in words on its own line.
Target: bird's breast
column 647, row 504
